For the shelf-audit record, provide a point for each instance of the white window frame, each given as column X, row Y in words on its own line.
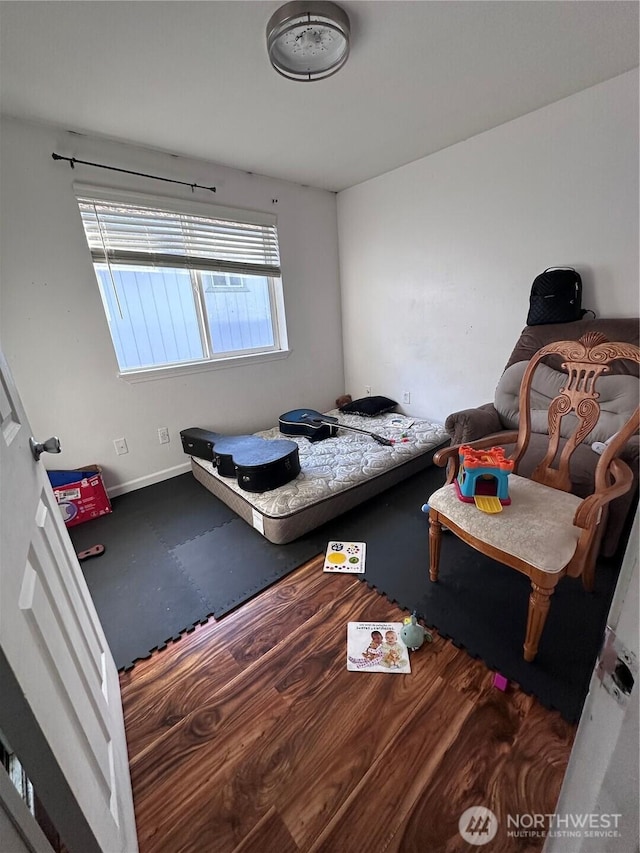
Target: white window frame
column 211, row 360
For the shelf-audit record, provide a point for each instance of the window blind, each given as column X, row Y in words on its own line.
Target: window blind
column 145, row 236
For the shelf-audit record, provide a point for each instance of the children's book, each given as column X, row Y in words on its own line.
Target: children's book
column 376, row 647
column 345, row 557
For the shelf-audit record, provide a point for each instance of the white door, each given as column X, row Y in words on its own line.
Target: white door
column 600, row 793
column 60, row 708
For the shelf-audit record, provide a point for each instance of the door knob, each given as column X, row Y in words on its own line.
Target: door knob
column 51, row 445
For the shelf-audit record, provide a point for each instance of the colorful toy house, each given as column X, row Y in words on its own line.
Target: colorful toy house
column 483, row 478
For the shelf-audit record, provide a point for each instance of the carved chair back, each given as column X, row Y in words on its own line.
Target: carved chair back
column 586, row 361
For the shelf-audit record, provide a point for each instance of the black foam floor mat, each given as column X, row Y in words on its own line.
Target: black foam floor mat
column 175, row 555
column 234, row 562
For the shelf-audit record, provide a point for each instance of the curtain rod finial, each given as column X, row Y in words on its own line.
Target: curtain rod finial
column 71, row 160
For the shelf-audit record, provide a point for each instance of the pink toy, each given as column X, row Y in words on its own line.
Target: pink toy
column 500, row 682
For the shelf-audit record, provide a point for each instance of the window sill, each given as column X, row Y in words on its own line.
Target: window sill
column 146, row 375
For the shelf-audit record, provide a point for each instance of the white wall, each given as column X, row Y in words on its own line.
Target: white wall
column 436, row 264
column 437, row 257
column 54, row 332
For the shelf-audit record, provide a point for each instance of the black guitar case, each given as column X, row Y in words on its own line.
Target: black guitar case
column 258, row 464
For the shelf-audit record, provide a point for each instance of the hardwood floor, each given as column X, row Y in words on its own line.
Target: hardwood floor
column 250, row 735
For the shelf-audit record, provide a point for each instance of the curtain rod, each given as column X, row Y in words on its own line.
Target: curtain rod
column 72, row 162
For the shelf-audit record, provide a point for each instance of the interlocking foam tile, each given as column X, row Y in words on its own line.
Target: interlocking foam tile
column 140, row 590
column 233, row 562
column 182, row 509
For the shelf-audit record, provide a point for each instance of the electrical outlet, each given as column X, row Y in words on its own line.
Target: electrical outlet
column 163, row 435
column 367, row 390
column 120, row 445
column 406, row 397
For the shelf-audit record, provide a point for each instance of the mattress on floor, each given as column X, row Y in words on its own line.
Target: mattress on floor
column 336, row 474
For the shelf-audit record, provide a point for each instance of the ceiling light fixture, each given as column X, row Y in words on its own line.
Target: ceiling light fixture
column 308, row 39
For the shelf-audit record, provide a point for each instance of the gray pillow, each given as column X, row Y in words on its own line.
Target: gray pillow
column 618, row 400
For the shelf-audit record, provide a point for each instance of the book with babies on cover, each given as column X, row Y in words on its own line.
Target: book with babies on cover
column 376, row 647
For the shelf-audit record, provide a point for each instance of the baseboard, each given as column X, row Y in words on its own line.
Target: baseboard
column 149, row 480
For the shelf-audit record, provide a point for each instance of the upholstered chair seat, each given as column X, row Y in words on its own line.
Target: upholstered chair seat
column 537, row 527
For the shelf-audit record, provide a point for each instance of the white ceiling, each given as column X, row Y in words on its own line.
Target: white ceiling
column 193, row 78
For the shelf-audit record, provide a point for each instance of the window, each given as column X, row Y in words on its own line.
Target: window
column 179, row 286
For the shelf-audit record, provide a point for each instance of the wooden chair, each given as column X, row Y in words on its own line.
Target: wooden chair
column 546, row 532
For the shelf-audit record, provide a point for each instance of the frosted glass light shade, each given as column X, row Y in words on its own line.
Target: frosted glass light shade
column 308, row 40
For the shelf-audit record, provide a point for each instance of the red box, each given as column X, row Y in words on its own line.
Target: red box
column 80, row 494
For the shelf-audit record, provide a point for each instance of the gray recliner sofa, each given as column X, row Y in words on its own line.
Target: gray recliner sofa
column 472, row 424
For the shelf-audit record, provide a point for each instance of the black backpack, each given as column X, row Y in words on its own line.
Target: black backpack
column 556, row 297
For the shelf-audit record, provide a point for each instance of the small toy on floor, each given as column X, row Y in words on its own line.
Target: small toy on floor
column 414, row 635
column 500, row 682
column 94, row 551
